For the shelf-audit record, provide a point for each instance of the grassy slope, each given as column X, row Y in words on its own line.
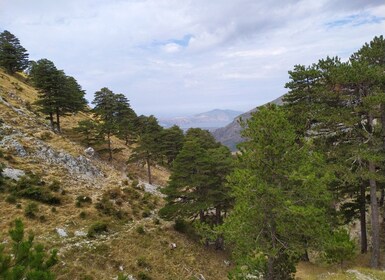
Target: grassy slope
column 123, row 248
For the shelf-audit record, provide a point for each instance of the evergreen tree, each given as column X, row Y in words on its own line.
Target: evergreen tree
column 197, row 186
column 171, row 142
column 46, row 78
column 25, row 260
column 58, row 94
column 126, row 119
column 13, row 57
column 105, row 109
column 147, row 148
column 281, row 198
column 90, row 132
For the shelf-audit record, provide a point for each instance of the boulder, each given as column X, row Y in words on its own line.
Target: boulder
column 89, row 151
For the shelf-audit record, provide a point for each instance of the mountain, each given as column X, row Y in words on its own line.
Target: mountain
column 230, row 135
column 208, row 120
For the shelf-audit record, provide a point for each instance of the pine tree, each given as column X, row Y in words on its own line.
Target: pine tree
column 25, row 260
column 58, row 94
column 171, row 142
column 105, row 106
column 197, row 186
column 126, row 119
column 148, row 143
column 281, row 198
column 13, row 57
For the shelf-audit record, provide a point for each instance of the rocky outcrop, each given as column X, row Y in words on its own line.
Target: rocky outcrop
column 79, row 166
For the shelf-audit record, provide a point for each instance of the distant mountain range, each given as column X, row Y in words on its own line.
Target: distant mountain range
column 207, row 120
column 230, row 135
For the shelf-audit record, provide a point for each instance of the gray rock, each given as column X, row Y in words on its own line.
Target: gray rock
column 61, row 232
column 10, row 143
column 89, row 152
column 75, row 165
column 12, row 173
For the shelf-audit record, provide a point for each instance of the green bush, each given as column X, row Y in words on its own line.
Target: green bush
column 140, row 230
column 339, row 247
column 82, row 215
column 97, row 228
column 31, row 209
column 180, row 226
column 32, row 187
column 83, row 199
column 54, row 186
column 143, row 276
column 11, row 199
column 25, row 260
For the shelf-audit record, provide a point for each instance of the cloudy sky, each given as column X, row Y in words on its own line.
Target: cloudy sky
column 179, row 57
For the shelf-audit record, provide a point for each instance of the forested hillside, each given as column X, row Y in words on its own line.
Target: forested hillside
column 108, row 194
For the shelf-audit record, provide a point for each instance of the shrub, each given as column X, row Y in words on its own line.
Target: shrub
column 146, row 213
column 54, row 186
column 31, row 209
column 11, row 199
column 82, row 199
column 180, row 226
column 339, row 247
column 97, row 228
column 143, row 276
column 140, row 230
column 142, row 262
column 82, row 215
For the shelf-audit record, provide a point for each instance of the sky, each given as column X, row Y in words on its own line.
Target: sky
column 181, row 57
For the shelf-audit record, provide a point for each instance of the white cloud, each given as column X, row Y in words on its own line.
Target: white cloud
column 172, row 56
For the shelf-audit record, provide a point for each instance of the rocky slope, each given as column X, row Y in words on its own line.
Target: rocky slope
column 230, row 135
column 75, row 189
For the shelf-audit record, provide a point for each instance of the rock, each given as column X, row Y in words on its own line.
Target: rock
column 80, row 233
column 10, row 143
column 61, row 232
column 227, row 263
column 89, row 152
column 153, row 189
column 201, row 277
column 172, row 246
column 79, row 165
column 121, row 268
column 12, row 173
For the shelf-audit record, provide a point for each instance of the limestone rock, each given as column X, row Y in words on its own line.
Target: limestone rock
column 14, row 174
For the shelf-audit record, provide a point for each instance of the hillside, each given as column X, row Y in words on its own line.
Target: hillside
column 84, row 189
column 230, row 135
column 207, row 120
column 81, row 189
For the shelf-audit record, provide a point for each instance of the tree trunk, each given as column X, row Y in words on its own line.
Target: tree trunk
column 374, row 262
column 109, row 146
column 58, row 120
column 364, row 239
column 375, row 258
column 51, row 120
column 218, row 216
column 201, row 216
column 149, row 170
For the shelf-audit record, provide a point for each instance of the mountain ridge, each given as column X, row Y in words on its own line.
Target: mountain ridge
column 209, row 120
column 230, row 134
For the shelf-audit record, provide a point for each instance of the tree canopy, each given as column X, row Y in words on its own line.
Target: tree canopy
column 13, row 56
